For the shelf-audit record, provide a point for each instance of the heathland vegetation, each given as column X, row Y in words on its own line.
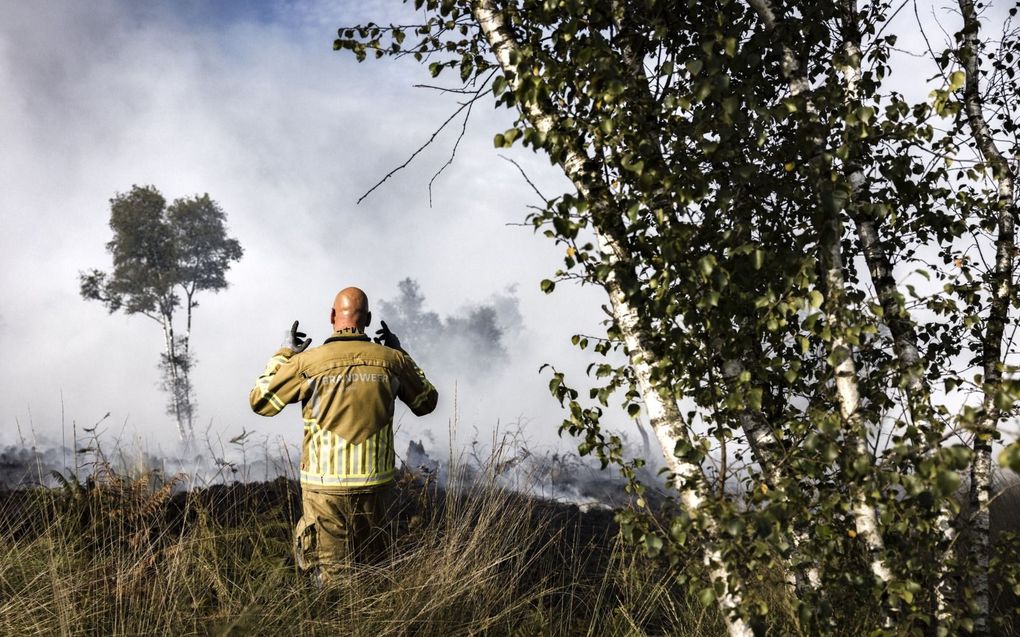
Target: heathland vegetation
column 137, row 554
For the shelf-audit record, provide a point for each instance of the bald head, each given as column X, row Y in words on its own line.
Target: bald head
column 350, row 310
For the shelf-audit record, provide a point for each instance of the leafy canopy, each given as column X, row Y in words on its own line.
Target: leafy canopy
column 160, row 251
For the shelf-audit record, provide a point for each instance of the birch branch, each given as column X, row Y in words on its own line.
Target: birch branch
column 759, row 434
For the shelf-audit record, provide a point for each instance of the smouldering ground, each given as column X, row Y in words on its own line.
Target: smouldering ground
column 120, row 556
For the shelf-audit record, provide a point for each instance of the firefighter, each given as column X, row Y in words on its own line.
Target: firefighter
column 347, row 387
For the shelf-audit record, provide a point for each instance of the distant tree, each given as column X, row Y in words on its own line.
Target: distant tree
column 470, row 341
column 162, row 257
column 408, row 314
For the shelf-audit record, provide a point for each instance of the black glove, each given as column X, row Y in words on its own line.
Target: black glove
column 385, row 337
column 296, row 340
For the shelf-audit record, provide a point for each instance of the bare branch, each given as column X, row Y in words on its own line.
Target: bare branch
column 463, row 129
column 445, row 89
column 526, row 178
column 417, row 152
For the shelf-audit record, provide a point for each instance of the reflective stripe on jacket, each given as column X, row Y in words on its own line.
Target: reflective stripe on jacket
column 347, row 387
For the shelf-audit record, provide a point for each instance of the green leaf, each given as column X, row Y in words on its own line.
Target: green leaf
column 706, row 264
column 1003, row 400
column 1010, row 457
column 758, row 259
column 815, row 299
column 653, row 544
column 754, row 397
column 947, row 482
column 734, row 526
column 906, row 595
column 706, row 596
column 956, row 81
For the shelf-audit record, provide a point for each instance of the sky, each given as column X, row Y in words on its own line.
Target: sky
column 248, row 102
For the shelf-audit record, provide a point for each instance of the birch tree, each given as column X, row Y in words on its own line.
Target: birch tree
column 997, row 212
column 162, row 257
column 778, row 232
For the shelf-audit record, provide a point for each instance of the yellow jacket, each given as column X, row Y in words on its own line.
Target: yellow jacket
column 347, row 387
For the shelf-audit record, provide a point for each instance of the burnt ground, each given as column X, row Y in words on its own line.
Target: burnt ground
column 116, row 510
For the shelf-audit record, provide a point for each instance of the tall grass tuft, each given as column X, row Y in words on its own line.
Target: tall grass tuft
column 123, row 555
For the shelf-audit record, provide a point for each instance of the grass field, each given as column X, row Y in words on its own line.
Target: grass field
column 130, row 556
column 118, row 555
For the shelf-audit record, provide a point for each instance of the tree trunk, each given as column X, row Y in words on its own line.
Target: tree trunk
column 840, row 353
column 171, row 354
column 1001, row 285
column 663, row 413
column 847, row 395
column 188, row 404
column 894, row 316
column 757, row 430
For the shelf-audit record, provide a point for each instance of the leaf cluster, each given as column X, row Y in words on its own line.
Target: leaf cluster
column 161, row 253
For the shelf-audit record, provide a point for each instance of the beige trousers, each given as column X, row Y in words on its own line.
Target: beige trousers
column 337, row 530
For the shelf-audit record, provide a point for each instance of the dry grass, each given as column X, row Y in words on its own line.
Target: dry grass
column 118, row 556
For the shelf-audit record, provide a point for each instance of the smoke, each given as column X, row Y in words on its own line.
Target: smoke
column 255, row 108
column 506, row 460
column 24, row 466
column 474, row 342
column 208, row 461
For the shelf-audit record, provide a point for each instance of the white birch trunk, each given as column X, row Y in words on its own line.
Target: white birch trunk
column 944, row 590
column 667, row 425
column 760, row 437
column 190, row 408
column 663, row 413
column 847, row 394
column 168, row 336
column 839, row 349
column 900, row 324
column 998, row 314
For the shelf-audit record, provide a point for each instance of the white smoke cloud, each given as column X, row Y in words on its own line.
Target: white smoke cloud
column 251, row 105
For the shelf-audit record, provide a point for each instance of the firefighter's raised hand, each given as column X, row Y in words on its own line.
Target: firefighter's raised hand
column 296, row 340
column 384, row 336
